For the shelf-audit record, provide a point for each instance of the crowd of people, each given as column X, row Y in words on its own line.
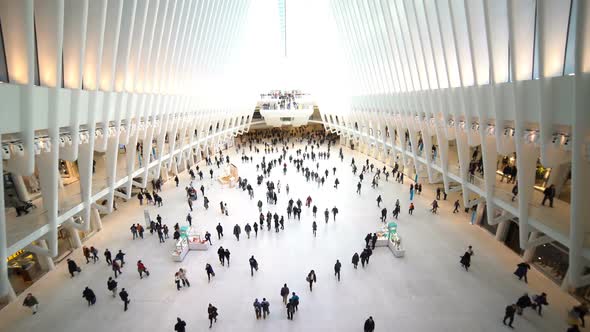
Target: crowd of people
column 274, row 153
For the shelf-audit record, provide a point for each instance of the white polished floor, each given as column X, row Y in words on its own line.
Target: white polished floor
column 425, row 291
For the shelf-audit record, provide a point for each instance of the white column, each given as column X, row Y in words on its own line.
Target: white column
column 5, row 286
column 19, row 185
column 46, row 262
column 75, row 236
column 95, row 220
column 529, row 253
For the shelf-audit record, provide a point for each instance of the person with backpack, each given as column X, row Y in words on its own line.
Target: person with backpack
column 73, row 267
column 89, row 295
column 211, row 310
column 112, row 286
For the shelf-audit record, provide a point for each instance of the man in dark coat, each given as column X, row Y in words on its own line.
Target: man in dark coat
column 521, row 271
column 125, row 298
column 509, row 314
column 180, row 325
column 369, row 325
column 219, row 229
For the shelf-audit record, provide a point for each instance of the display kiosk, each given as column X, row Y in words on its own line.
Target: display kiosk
column 195, row 241
column 395, row 241
column 180, row 250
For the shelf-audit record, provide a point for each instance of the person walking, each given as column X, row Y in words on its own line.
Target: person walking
column 334, row 212
column 290, row 310
column 226, row 253
column 112, row 286
column 327, row 215
column 337, row 267
column 212, row 312
column 255, row 229
column 265, row 308
column 253, row 265
column 522, row 270
column 355, row 260
column 120, row 256
column 89, row 295
column 210, row 272
column 182, row 274
column 221, row 255
column 369, row 325
column 457, row 206
column 434, row 206
column 411, row 209
column 509, row 315
column 248, row 229
column 314, row 227
column 523, row 302
column 311, row 278
column 108, row 256
column 180, row 325
column 125, row 298
column 189, row 219
column 257, row 309
column 208, row 238
column 219, row 229
column 373, row 241
column 73, row 267
column 379, row 199
column 466, row 258
column 285, row 293
column 177, row 280
column 142, row 269
column 116, row 268
column 237, row 231
column 31, row 303
column 539, row 301
column 548, row 194
column 383, row 215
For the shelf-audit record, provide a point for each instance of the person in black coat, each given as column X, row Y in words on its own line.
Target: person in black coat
column 355, row 260
column 369, row 325
column 125, row 298
column 89, row 295
column 373, row 241
column 509, row 314
column 212, row 311
column 539, row 301
column 368, row 239
column 523, row 302
column 521, row 271
column 73, row 267
column 180, row 325
column 466, row 259
column 219, row 229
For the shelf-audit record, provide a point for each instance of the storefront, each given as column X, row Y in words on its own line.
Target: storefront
column 23, row 270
